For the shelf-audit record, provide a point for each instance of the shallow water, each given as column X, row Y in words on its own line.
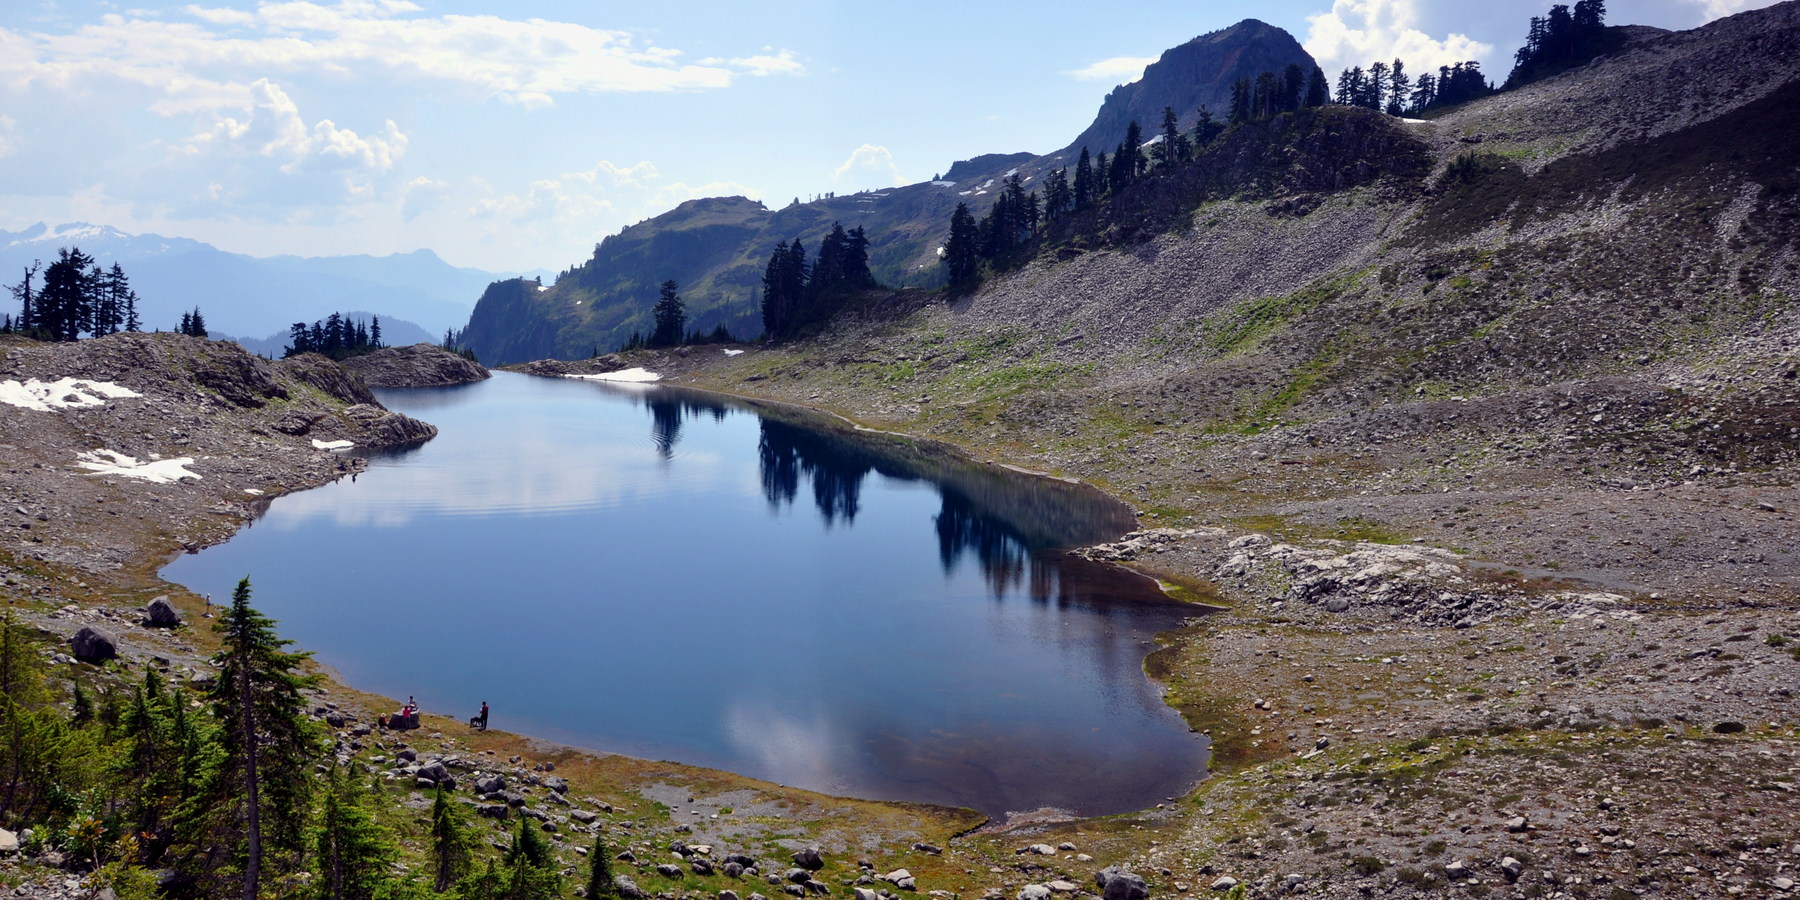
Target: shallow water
column 676, row 575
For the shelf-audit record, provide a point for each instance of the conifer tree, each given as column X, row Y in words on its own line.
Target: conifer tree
column 1173, row 148
column 1293, row 87
column 26, row 296
column 1318, row 92
column 262, row 785
column 671, row 318
column 450, row 843
column 352, row 851
column 962, row 252
column 66, row 304
column 600, row 877
column 1083, row 187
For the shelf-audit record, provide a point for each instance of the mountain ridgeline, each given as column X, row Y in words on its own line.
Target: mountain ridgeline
column 717, row 248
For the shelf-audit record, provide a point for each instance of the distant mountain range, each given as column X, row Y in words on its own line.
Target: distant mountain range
column 254, row 296
column 716, row 248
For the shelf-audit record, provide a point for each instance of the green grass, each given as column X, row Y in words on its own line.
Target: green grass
column 1251, row 321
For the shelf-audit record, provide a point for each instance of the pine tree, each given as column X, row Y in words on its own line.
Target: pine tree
column 261, row 789
column 1318, row 92
column 1398, row 87
column 375, row 332
column 1205, row 128
column 962, row 253
column 1133, row 151
column 450, row 843
column 1173, row 148
column 600, row 877
column 66, row 304
column 671, row 318
column 25, row 295
column 1084, row 180
column 353, row 852
column 1240, row 102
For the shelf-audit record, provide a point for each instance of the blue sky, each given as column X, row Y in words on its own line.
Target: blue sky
column 515, row 135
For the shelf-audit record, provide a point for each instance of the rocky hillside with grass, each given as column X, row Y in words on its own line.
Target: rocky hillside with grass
column 1485, row 427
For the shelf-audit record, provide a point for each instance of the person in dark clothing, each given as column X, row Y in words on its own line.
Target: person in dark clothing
column 480, row 719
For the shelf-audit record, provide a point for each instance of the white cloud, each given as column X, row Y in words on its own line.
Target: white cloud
column 7, row 124
column 869, row 162
column 273, row 127
column 529, row 61
column 769, row 62
column 1718, row 9
column 1359, row 32
column 220, row 16
column 1118, row 70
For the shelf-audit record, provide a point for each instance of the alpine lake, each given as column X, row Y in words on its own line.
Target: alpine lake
column 680, row 575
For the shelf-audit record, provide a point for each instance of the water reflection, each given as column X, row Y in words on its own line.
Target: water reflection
column 756, row 588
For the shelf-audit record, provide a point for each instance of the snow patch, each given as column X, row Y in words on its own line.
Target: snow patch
column 943, row 184
column 733, row 352
column 66, row 393
column 112, row 462
column 332, row 445
column 542, row 288
column 635, row 373
column 1415, row 121
column 253, row 492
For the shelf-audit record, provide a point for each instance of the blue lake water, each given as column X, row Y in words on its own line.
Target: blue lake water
column 678, row 575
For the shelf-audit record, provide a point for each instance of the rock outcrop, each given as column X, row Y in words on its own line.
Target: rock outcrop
column 420, row 365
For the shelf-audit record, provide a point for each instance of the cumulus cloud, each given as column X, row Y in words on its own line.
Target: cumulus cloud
column 1118, row 70
column 273, row 128
column 1358, row 32
column 7, row 124
column 869, row 163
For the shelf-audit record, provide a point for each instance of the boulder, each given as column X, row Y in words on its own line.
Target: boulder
column 1457, row 869
column 9, row 842
column 1225, row 883
column 1118, row 884
column 488, row 784
column 161, row 613
column 494, row 810
column 94, row 645
column 583, row 816
column 896, row 876
column 742, row 860
column 810, row 859
column 1037, row 849
column 732, row 870
column 797, row 875
column 863, row 893
column 815, row 886
column 700, row 864
column 728, row 895
column 627, row 888
column 557, row 784
column 1512, row 868
column 668, row 870
column 1033, row 892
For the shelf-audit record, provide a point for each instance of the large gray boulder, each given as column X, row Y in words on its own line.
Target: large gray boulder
column 626, row 887
column 810, row 859
column 1117, row 884
column 94, row 645
column 161, row 613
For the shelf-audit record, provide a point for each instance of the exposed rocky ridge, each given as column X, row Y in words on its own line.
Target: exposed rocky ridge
column 420, row 365
column 248, row 428
column 1185, row 78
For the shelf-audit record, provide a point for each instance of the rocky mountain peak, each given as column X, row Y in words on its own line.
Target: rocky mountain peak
column 1197, row 73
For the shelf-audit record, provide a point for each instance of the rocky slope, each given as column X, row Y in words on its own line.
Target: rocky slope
column 1486, row 428
column 420, row 365
column 133, row 446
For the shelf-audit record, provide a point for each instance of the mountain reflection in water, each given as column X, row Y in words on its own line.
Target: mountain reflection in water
column 660, row 591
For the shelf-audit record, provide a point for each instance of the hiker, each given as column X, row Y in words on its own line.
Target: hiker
column 479, row 720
